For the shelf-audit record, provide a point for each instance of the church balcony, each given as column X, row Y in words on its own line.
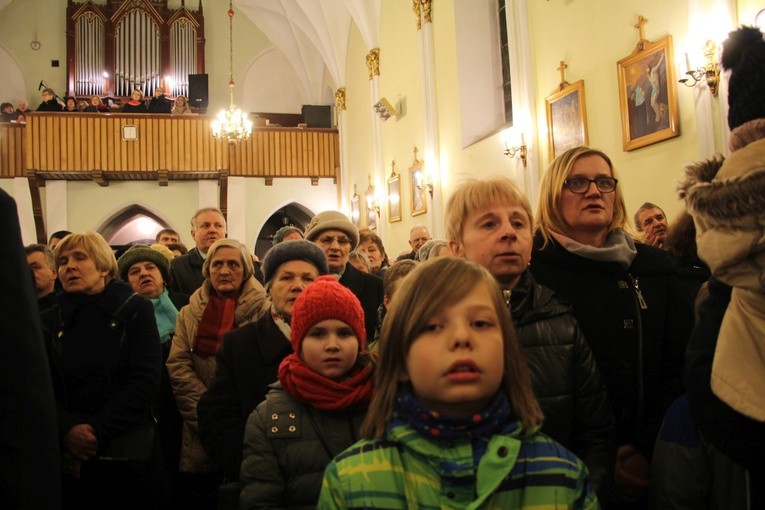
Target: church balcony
column 105, row 147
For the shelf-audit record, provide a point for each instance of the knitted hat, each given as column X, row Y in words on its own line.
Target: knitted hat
column 284, row 232
column 744, row 55
column 332, row 220
column 323, row 299
column 143, row 253
column 297, row 249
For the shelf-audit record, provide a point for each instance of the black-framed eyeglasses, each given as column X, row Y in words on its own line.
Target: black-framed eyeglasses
column 580, row 185
column 327, row 240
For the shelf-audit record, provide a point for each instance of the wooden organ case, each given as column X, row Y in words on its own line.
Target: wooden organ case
column 122, row 45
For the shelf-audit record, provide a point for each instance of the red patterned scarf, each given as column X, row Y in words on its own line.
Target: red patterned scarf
column 217, row 319
column 325, row 394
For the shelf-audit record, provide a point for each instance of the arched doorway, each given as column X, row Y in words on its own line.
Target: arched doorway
column 132, row 225
column 291, row 214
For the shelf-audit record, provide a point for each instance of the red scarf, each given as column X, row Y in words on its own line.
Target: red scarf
column 323, row 393
column 217, row 319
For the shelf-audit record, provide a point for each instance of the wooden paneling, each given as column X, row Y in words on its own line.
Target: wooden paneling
column 11, row 150
column 73, row 146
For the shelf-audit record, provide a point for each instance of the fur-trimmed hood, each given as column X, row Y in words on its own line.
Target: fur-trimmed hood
column 727, row 193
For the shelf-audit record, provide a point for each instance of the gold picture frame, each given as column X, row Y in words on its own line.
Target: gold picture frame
column 394, row 195
column 648, row 94
column 355, row 208
column 417, row 182
column 566, row 119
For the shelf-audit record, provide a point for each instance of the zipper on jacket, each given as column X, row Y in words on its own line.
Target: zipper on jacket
column 641, row 300
column 640, row 304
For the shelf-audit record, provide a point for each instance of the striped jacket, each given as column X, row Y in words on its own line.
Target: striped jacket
column 406, row 470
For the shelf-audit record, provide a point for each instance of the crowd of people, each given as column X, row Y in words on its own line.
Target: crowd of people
column 563, row 358
column 50, row 102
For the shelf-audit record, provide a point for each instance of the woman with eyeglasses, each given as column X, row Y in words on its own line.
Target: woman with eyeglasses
column 626, row 296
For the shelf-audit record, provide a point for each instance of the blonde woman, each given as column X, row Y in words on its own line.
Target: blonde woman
column 181, row 106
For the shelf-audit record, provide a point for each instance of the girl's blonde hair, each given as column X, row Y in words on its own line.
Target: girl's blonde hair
column 427, row 290
column 96, row 247
column 549, row 216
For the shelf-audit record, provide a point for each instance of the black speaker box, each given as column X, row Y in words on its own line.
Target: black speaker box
column 317, row 116
column 198, row 90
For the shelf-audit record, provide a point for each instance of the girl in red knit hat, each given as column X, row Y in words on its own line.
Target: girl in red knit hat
column 316, row 408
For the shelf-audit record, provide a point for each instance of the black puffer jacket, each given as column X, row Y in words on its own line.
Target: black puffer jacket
column 287, row 446
column 566, row 380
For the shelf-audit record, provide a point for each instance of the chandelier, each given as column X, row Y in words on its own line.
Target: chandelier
column 231, row 124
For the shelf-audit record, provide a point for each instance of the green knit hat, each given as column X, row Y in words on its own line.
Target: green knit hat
column 143, row 253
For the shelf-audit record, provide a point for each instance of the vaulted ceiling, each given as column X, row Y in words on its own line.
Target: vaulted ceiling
column 314, row 33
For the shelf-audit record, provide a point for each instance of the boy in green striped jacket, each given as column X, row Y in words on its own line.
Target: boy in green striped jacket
column 453, row 422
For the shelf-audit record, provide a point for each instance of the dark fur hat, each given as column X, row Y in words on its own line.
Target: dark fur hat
column 744, row 55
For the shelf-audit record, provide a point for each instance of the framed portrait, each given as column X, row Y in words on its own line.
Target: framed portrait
column 648, row 95
column 394, row 198
column 355, row 211
column 371, row 218
column 566, row 119
column 417, row 182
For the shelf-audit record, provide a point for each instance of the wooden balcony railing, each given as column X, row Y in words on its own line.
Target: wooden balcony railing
column 94, row 146
column 106, row 147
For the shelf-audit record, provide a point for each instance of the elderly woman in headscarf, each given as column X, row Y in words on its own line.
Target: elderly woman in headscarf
column 104, row 352
column 249, row 357
column 147, row 270
column 229, row 297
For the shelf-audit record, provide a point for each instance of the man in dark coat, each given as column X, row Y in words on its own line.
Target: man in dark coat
column 207, row 226
column 337, row 236
column 49, row 103
column 159, row 103
column 30, row 470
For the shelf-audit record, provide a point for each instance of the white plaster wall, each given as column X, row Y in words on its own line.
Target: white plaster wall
column 270, row 85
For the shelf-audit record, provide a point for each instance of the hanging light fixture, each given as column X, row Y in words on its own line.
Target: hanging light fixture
column 232, row 124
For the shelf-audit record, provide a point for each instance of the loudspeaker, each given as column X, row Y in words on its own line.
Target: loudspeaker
column 198, row 90
column 317, row 116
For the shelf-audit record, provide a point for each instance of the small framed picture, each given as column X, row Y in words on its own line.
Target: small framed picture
column 394, row 198
column 129, row 132
column 371, row 218
column 648, row 95
column 566, row 119
column 355, row 211
column 417, row 181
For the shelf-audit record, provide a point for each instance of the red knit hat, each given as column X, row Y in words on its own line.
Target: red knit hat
column 323, row 299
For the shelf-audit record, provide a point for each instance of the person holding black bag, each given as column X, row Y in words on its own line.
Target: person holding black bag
column 104, row 352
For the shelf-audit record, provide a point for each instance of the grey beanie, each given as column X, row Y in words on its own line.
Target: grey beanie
column 332, row 220
column 284, row 232
column 143, row 253
column 296, row 249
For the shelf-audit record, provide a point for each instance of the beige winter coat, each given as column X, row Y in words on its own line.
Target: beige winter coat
column 191, row 374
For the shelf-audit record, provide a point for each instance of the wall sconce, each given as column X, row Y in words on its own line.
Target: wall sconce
column 384, row 109
column 711, row 71
column 423, row 182
column 371, row 197
column 521, row 150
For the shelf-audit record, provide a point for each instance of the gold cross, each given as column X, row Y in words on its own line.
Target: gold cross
column 415, row 154
column 562, row 68
column 640, row 26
